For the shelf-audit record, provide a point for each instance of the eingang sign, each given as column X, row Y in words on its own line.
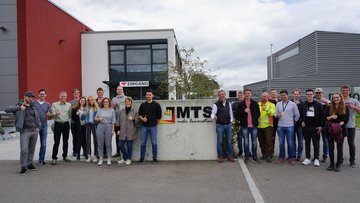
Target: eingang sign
column 134, row 83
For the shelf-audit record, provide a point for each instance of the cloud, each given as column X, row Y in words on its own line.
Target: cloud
column 233, row 35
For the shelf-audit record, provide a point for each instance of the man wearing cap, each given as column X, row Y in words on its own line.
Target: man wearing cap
column 319, row 97
column 28, row 124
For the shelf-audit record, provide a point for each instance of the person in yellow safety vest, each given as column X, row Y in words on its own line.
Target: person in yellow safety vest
column 266, row 127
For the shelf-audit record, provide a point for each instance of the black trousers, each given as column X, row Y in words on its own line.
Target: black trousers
column 240, row 143
column 60, row 129
column 351, row 142
column 75, row 137
column 339, row 148
column 310, row 134
column 81, row 140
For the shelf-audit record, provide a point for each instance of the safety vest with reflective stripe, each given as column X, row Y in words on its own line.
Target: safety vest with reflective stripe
column 266, row 116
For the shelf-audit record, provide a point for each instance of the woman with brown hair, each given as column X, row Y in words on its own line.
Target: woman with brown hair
column 78, row 116
column 337, row 115
column 105, row 129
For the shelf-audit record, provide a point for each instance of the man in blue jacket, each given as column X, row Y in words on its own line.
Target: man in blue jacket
column 28, row 124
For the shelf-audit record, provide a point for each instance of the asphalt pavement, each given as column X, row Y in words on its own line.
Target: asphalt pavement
column 174, row 181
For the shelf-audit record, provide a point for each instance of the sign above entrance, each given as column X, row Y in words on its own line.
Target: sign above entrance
column 134, row 84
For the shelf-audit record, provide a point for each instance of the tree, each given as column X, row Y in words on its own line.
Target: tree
column 190, row 77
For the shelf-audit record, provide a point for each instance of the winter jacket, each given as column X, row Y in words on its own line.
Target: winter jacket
column 20, row 117
column 127, row 127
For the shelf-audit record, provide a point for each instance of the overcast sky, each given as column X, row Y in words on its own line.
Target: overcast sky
column 233, row 35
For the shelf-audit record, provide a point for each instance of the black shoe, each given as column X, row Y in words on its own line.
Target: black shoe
column 269, row 159
column 78, row 158
column 337, row 168
column 141, row 161
column 324, row 160
column 66, row 159
column 155, row 161
column 42, row 163
column 74, row 154
column 246, row 161
column 330, row 168
column 32, row 167
column 298, row 159
column 257, row 161
column 22, row 171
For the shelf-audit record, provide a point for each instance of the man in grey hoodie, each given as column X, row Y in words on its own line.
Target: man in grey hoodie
column 28, row 124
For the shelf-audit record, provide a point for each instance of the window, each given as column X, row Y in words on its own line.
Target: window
column 287, row 55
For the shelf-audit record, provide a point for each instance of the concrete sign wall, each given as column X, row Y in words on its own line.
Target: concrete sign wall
column 186, row 131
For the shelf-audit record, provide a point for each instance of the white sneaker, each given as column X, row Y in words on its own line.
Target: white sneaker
column 122, row 161
column 128, row 162
column 306, row 162
column 316, row 163
column 95, row 159
column 109, row 161
column 100, row 162
column 88, row 160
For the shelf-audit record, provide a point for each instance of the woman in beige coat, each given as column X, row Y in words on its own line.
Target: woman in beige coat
column 128, row 119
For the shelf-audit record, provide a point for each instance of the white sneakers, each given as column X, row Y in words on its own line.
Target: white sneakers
column 109, row 161
column 122, row 161
column 316, row 163
column 306, row 162
column 95, row 159
column 88, row 160
column 100, row 162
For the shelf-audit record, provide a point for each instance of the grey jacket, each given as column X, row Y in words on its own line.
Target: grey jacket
column 127, row 127
column 20, row 117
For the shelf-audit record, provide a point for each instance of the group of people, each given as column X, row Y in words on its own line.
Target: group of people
column 292, row 120
column 91, row 122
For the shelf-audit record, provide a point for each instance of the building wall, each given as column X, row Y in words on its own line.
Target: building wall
column 95, row 62
column 8, row 54
column 332, row 59
column 49, row 48
column 182, row 137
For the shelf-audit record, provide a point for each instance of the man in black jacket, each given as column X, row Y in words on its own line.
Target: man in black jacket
column 312, row 120
column 248, row 114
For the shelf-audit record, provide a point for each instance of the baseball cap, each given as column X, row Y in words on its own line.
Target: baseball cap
column 319, row 90
column 29, row 94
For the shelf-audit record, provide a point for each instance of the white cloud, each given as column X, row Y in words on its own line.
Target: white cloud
column 231, row 34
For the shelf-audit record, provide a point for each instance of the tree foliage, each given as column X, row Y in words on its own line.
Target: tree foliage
column 190, row 77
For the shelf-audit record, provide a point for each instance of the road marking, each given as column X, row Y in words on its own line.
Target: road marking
column 254, row 190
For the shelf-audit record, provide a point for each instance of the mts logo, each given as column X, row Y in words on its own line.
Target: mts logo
column 191, row 111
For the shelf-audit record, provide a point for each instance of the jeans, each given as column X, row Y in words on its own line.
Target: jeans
column 288, row 133
column 253, row 131
column 351, row 142
column 222, row 130
column 27, row 147
column 43, row 137
column 240, row 141
column 60, row 128
column 339, row 147
column 127, row 153
column 325, row 138
column 300, row 141
column 145, row 131
column 91, row 129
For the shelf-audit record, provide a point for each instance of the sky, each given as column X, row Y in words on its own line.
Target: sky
column 234, row 36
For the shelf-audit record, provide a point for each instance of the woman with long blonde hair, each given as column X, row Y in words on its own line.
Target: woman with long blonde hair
column 339, row 114
column 92, row 109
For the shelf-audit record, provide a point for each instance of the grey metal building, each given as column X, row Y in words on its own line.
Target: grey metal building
column 321, row 59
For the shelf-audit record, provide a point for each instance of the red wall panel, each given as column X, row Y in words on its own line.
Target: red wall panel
column 52, row 49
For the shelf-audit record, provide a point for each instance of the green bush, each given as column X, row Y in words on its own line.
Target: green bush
column 357, row 120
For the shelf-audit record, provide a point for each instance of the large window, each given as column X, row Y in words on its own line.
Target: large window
column 127, row 57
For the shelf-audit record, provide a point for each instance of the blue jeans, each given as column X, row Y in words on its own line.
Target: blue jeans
column 254, row 133
column 222, row 130
column 325, row 139
column 127, row 153
column 145, row 131
column 300, row 142
column 43, row 137
column 287, row 132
